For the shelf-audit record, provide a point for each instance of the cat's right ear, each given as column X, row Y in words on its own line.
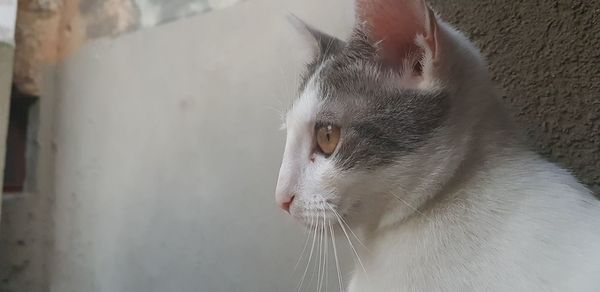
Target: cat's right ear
column 320, row 43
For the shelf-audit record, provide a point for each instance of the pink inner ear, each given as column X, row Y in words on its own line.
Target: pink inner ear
column 394, row 23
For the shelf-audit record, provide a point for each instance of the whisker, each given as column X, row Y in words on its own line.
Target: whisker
column 341, row 219
column 337, row 263
column 353, row 249
column 324, row 246
column 326, row 256
column 304, row 248
column 319, row 271
column 309, row 257
column 314, row 270
column 280, row 113
column 409, row 205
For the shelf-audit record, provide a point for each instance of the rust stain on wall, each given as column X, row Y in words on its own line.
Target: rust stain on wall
column 35, row 38
column 50, row 30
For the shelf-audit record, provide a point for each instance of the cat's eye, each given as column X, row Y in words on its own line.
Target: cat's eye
column 328, row 137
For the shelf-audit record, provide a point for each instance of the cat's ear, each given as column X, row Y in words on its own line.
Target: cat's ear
column 320, row 43
column 401, row 29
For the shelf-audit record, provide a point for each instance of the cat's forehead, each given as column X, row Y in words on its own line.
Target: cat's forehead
column 342, row 66
column 327, row 79
column 342, row 88
column 347, row 76
column 346, row 86
column 306, row 106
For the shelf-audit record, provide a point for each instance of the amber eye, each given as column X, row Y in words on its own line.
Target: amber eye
column 328, row 137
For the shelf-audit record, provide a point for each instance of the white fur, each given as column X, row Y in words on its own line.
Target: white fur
column 519, row 224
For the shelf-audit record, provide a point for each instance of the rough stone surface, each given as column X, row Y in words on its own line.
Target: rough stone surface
column 545, row 55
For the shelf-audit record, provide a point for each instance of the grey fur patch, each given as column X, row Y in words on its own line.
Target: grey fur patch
column 327, row 46
column 378, row 124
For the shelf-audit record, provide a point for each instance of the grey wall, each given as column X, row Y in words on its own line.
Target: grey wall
column 165, row 146
column 545, row 55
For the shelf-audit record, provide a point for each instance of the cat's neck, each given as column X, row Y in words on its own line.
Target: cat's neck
column 444, row 179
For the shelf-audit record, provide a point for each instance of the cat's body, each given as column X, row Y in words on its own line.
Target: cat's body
column 512, row 223
column 400, row 132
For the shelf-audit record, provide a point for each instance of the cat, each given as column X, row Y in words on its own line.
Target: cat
column 399, row 135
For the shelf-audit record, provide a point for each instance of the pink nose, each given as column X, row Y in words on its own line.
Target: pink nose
column 286, row 203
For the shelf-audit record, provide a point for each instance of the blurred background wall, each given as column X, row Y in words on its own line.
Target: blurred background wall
column 8, row 13
column 158, row 146
column 158, row 157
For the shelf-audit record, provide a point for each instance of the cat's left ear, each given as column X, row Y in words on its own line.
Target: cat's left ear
column 403, row 30
column 322, row 44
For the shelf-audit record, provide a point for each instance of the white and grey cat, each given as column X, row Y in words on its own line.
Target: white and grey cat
column 399, row 131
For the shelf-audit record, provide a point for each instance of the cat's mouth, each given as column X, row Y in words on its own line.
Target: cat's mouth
column 321, row 216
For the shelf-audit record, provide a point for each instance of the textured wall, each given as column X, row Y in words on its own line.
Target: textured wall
column 545, row 55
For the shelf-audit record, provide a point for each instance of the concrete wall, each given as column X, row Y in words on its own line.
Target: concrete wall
column 546, row 57
column 166, row 146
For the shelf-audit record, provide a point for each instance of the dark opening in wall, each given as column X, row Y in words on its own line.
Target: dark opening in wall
column 15, row 168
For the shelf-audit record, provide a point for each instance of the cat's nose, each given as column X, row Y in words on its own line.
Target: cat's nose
column 286, row 203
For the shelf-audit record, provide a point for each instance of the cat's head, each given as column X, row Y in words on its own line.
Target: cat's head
column 380, row 116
